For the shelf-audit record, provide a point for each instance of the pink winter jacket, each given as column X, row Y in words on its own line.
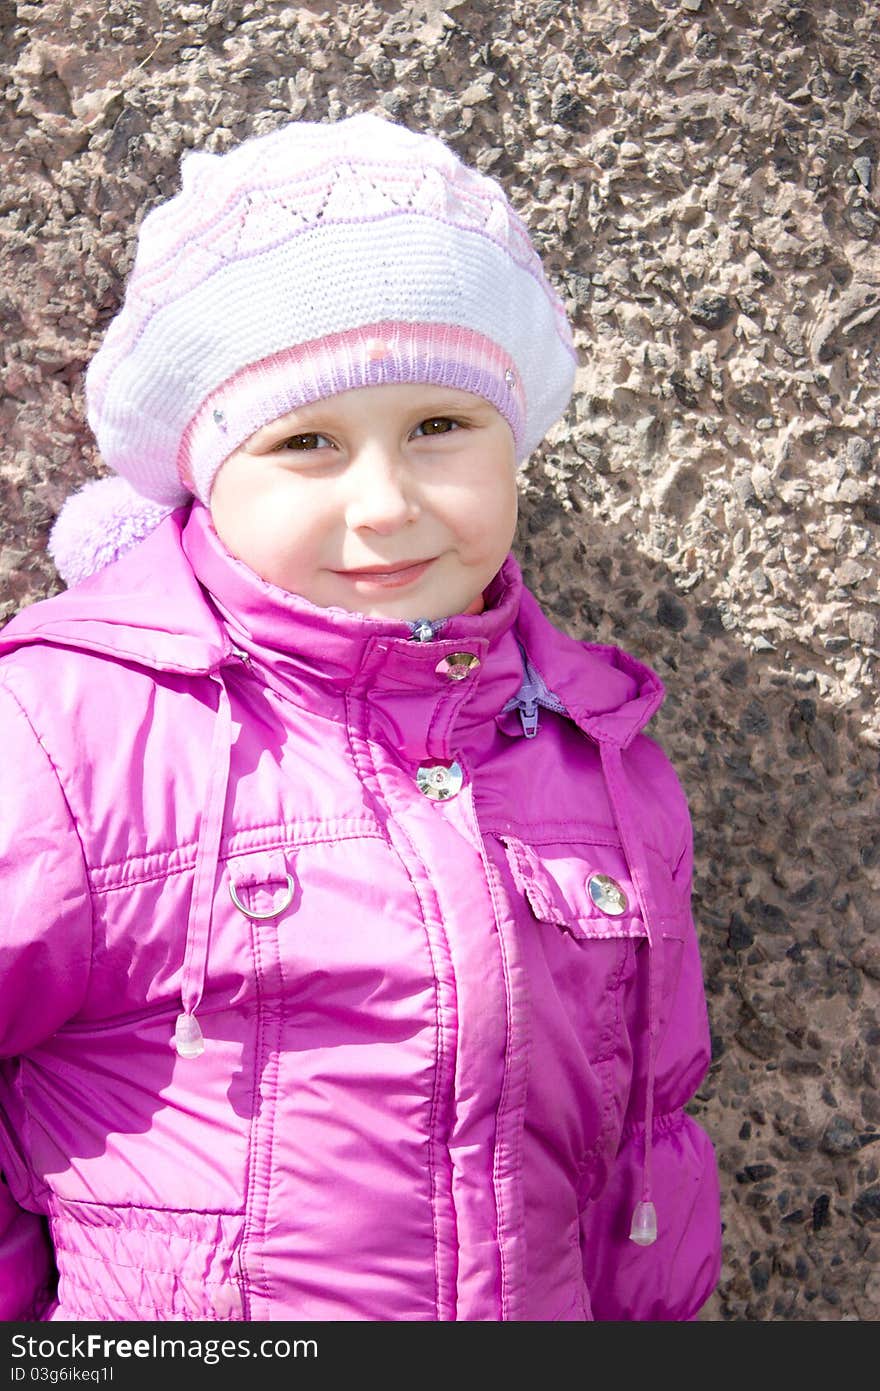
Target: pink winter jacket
column 370, row 864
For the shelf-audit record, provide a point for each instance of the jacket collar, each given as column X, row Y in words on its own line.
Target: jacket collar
column 609, row 694
column 332, row 661
column 149, row 608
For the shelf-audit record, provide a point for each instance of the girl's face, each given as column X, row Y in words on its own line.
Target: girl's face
column 395, row 501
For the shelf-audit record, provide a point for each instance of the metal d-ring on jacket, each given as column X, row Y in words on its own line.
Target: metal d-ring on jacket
column 347, row 968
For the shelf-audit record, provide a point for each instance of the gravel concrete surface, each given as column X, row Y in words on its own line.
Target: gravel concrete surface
column 701, row 178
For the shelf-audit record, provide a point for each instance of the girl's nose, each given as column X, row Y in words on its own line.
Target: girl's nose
column 382, row 495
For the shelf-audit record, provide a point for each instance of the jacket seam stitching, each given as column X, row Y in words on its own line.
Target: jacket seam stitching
column 493, row 886
column 257, row 1184
column 165, row 871
column 62, row 1205
column 438, row 1026
column 73, row 822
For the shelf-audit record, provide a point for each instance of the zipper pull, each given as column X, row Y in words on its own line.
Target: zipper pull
column 528, row 714
column 426, row 629
column 525, row 702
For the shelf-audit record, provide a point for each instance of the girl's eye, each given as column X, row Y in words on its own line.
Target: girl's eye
column 436, row 425
column 303, row 442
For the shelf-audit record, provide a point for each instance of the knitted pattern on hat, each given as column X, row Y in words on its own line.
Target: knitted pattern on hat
column 312, row 260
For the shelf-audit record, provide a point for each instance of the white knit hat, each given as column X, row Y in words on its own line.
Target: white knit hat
column 302, row 263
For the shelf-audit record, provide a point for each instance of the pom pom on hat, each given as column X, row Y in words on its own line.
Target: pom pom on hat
column 99, row 523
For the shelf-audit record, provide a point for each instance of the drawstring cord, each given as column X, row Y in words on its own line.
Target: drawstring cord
column 188, row 1038
column 643, row 1230
column 532, row 693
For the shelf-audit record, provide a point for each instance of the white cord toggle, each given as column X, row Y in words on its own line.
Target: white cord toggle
column 644, row 1224
column 188, row 1038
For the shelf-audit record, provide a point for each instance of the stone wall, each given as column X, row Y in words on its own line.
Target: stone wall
column 701, row 178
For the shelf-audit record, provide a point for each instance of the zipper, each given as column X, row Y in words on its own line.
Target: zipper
column 425, row 629
column 533, row 693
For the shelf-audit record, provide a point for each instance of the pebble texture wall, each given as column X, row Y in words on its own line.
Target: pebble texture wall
column 702, row 179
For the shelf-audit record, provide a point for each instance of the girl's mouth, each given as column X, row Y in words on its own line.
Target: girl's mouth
column 388, row 577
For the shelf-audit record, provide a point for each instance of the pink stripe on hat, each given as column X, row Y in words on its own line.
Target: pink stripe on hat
column 373, row 355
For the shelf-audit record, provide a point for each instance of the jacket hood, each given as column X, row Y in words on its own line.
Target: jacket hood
column 149, row 608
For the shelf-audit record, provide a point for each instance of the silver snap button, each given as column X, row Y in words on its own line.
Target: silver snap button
column 607, row 895
column 439, row 780
column 457, row 665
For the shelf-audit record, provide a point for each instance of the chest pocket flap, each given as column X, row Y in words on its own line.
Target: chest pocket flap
column 559, row 883
column 584, row 889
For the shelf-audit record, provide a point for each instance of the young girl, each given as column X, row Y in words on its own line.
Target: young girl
column 347, row 969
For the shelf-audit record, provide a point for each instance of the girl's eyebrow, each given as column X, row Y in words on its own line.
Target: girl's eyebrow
column 296, row 423
column 294, row 417
column 305, row 418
